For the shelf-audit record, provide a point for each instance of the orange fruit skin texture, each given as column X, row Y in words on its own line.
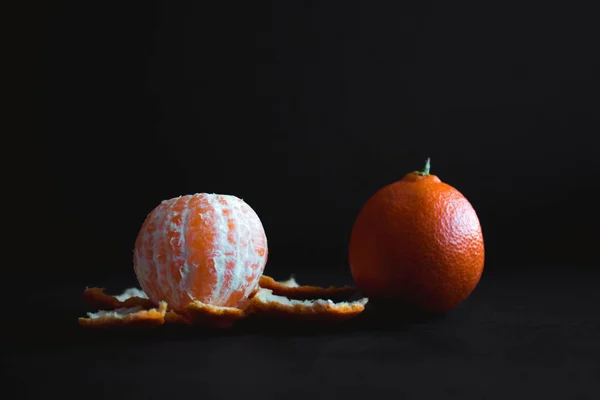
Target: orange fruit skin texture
column 206, row 247
column 418, row 241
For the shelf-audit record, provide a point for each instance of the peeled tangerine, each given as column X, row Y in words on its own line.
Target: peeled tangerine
column 203, row 256
column 205, row 247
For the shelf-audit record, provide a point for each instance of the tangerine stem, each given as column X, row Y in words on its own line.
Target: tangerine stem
column 425, row 171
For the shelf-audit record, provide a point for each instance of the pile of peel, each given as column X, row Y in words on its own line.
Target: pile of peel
column 273, row 299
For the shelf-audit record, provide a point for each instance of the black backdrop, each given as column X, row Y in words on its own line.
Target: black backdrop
column 304, row 109
column 133, row 104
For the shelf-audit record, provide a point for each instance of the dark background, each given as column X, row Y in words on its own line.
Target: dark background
column 134, row 104
column 304, row 109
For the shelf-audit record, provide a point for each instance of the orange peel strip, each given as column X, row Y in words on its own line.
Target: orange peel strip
column 292, row 289
column 172, row 317
column 132, row 297
column 272, row 299
column 126, row 316
column 198, row 313
column 266, row 303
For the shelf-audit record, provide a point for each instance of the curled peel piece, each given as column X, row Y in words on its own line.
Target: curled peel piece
column 285, row 299
column 198, row 313
column 126, row 316
column 133, row 300
column 132, row 297
column 171, row 317
column 266, row 303
column 292, row 289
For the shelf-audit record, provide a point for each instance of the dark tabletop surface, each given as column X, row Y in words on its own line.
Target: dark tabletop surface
column 519, row 335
